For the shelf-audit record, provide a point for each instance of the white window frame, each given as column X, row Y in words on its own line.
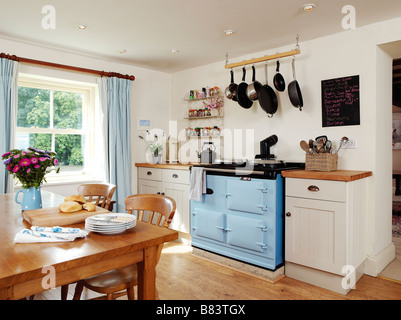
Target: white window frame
column 88, row 91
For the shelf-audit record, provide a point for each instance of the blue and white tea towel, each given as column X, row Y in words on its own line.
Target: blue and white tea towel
column 49, row 234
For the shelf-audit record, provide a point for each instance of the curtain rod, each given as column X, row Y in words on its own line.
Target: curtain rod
column 63, row 66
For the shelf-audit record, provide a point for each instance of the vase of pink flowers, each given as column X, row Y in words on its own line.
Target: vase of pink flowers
column 214, row 105
column 30, row 168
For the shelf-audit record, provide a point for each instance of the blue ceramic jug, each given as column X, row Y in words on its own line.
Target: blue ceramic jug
column 32, row 199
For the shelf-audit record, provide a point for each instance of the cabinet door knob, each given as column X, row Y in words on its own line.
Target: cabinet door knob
column 149, row 173
column 175, row 175
column 313, row 188
column 288, row 214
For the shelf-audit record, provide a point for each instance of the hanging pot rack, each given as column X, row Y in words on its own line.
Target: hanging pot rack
column 265, row 58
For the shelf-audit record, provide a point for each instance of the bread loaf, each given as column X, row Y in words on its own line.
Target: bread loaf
column 77, row 198
column 70, row 206
column 89, row 206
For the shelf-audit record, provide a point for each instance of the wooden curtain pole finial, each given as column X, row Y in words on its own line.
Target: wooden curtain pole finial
column 9, row 56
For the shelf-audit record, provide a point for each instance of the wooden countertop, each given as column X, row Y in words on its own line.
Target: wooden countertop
column 337, row 175
column 176, row 166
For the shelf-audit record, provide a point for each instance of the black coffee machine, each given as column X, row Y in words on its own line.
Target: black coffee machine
column 265, row 148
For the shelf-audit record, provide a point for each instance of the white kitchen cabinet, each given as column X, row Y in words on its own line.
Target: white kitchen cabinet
column 149, row 186
column 180, row 193
column 172, row 183
column 325, row 230
column 315, row 233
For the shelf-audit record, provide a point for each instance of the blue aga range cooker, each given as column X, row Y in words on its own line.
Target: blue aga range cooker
column 242, row 214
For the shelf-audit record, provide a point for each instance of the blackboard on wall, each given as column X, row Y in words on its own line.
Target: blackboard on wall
column 340, row 102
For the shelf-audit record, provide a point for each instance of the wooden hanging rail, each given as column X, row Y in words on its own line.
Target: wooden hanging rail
column 66, row 67
column 265, row 58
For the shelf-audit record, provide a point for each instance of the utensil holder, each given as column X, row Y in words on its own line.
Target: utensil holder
column 321, row 161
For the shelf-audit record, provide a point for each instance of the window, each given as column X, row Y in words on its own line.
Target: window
column 57, row 116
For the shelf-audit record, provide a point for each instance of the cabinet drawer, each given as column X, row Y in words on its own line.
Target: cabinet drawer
column 175, row 176
column 316, row 189
column 150, row 173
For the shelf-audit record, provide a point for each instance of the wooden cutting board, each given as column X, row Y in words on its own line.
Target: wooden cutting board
column 49, row 217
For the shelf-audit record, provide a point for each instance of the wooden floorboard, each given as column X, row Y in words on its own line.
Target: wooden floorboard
column 183, row 276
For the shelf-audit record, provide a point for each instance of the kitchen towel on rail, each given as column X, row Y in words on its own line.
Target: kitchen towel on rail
column 198, row 183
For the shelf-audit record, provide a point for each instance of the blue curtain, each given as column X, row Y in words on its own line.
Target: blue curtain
column 8, row 101
column 118, row 144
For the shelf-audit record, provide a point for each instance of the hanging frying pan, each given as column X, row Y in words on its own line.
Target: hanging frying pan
column 267, row 97
column 242, row 97
column 231, row 90
column 294, row 92
column 278, row 79
column 253, row 88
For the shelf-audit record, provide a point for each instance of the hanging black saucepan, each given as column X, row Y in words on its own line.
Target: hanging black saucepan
column 242, row 97
column 231, row 90
column 253, row 88
column 278, row 79
column 294, row 92
column 267, row 97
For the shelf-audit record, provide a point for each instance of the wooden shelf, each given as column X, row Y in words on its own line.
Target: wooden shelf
column 200, row 99
column 204, row 117
column 337, row 175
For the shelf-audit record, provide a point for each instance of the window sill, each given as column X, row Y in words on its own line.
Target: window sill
column 66, row 180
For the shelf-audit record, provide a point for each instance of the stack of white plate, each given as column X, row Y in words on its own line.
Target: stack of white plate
column 110, row 223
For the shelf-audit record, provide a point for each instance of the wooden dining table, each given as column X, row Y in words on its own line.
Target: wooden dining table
column 25, row 266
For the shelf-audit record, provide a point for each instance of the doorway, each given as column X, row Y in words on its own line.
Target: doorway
column 393, row 270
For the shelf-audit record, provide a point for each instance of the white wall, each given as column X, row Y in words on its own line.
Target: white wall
column 353, row 52
column 150, row 96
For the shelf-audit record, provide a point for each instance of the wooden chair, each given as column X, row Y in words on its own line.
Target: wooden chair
column 161, row 212
column 99, row 193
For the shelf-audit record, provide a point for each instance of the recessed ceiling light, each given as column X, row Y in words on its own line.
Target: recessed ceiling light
column 229, row 32
column 173, row 51
column 308, row 7
column 81, row 26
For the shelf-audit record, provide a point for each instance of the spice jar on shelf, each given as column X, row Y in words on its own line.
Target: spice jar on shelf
column 216, row 131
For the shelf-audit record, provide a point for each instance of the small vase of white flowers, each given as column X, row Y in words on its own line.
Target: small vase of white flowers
column 155, row 148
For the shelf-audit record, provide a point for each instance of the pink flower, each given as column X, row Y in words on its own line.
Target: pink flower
column 6, row 154
column 23, row 153
column 28, row 170
column 55, row 161
column 16, row 168
column 34, row 160
column 16, row 156
column 42, row 159
column 24, row 162
column 9, row 167
column 36, row 166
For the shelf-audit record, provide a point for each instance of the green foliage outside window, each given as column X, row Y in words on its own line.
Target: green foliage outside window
column 34, row 111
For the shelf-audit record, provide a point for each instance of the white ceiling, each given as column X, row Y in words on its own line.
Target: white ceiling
column 148, row 29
